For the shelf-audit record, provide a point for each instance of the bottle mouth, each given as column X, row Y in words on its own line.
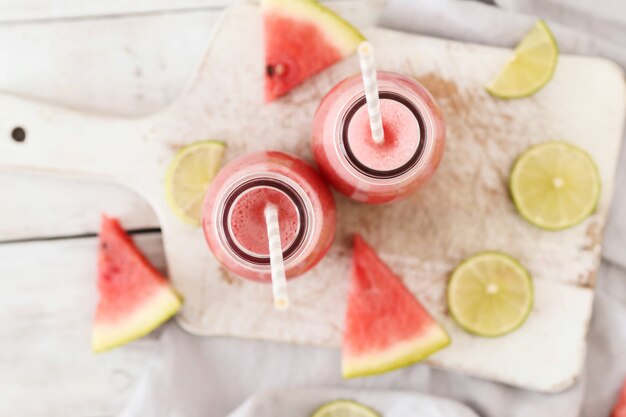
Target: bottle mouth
column 349, row 153
column 229, row 204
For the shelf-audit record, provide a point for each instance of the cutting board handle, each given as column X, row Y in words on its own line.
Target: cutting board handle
column 43, row 137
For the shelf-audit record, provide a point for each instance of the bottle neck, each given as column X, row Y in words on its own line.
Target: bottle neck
column 239, row 191
column 349, row 153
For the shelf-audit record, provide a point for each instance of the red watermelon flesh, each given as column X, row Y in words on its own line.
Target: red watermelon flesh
column 302, row 38
column 134, row 297
column 386, row 327
column 620, row 407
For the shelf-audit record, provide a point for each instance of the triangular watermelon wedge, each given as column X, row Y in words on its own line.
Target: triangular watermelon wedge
column 302, row 37
column 386, row 327
column 134, row 297
column 620, row 407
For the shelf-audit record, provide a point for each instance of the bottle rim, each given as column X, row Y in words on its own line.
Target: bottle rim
column 427, row 129
column 352, row 159
column 276, row 181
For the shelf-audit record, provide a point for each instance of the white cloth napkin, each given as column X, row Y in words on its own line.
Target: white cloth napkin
column 303, row 402
column 193, row 376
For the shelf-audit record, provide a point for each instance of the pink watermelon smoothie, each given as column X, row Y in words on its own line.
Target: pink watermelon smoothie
column 248, row 219
column 234, row 222
column 362, row 170
column 402, row 133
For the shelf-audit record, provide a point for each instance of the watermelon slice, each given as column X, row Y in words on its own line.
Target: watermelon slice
column 386, row 327
column 620, row 407
column 302, row 37
column 134, row 298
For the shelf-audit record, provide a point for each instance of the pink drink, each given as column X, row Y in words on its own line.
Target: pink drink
column 247, row 220
column 234, row 222
column 363, row 170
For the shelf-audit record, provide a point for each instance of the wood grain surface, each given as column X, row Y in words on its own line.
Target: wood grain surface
column 111, row 63
column 465, row 209
column 47, row 299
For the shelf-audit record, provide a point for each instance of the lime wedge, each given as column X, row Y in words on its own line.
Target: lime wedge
column 490, row 294
column 189, row 175
column 344, row 408
column 555, row 185
column 531, row 66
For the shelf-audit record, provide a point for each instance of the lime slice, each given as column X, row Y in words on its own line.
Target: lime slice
column 344, row 408
column 490, row 294
column 189, row 175
column 531, row 66
column 555, row 185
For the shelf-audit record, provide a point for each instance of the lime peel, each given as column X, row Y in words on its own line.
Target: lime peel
column 344, row 408
column 555, row 185
column 530, row 68
column 490, row 294
column 189, row 175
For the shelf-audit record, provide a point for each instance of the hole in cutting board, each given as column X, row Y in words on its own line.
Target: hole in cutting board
column 18, row 134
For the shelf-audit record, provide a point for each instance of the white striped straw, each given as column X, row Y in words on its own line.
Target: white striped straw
column 368, row 71
column 279, row 281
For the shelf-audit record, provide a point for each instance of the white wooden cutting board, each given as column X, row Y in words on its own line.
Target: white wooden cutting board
column 464, row 210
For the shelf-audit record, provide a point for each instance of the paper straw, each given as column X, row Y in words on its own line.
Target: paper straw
column 368, row 71
column 279, row 281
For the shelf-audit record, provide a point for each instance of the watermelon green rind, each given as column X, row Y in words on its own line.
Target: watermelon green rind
column 134, row 297
column 386, row 327
column 160, row 308
column 302, row 38
column 404, row 354
column 340, row 33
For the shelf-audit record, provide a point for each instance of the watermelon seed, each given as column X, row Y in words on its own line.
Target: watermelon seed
column 278, row 69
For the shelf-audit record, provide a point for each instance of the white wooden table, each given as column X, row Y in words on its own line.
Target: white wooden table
column 113, row 57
